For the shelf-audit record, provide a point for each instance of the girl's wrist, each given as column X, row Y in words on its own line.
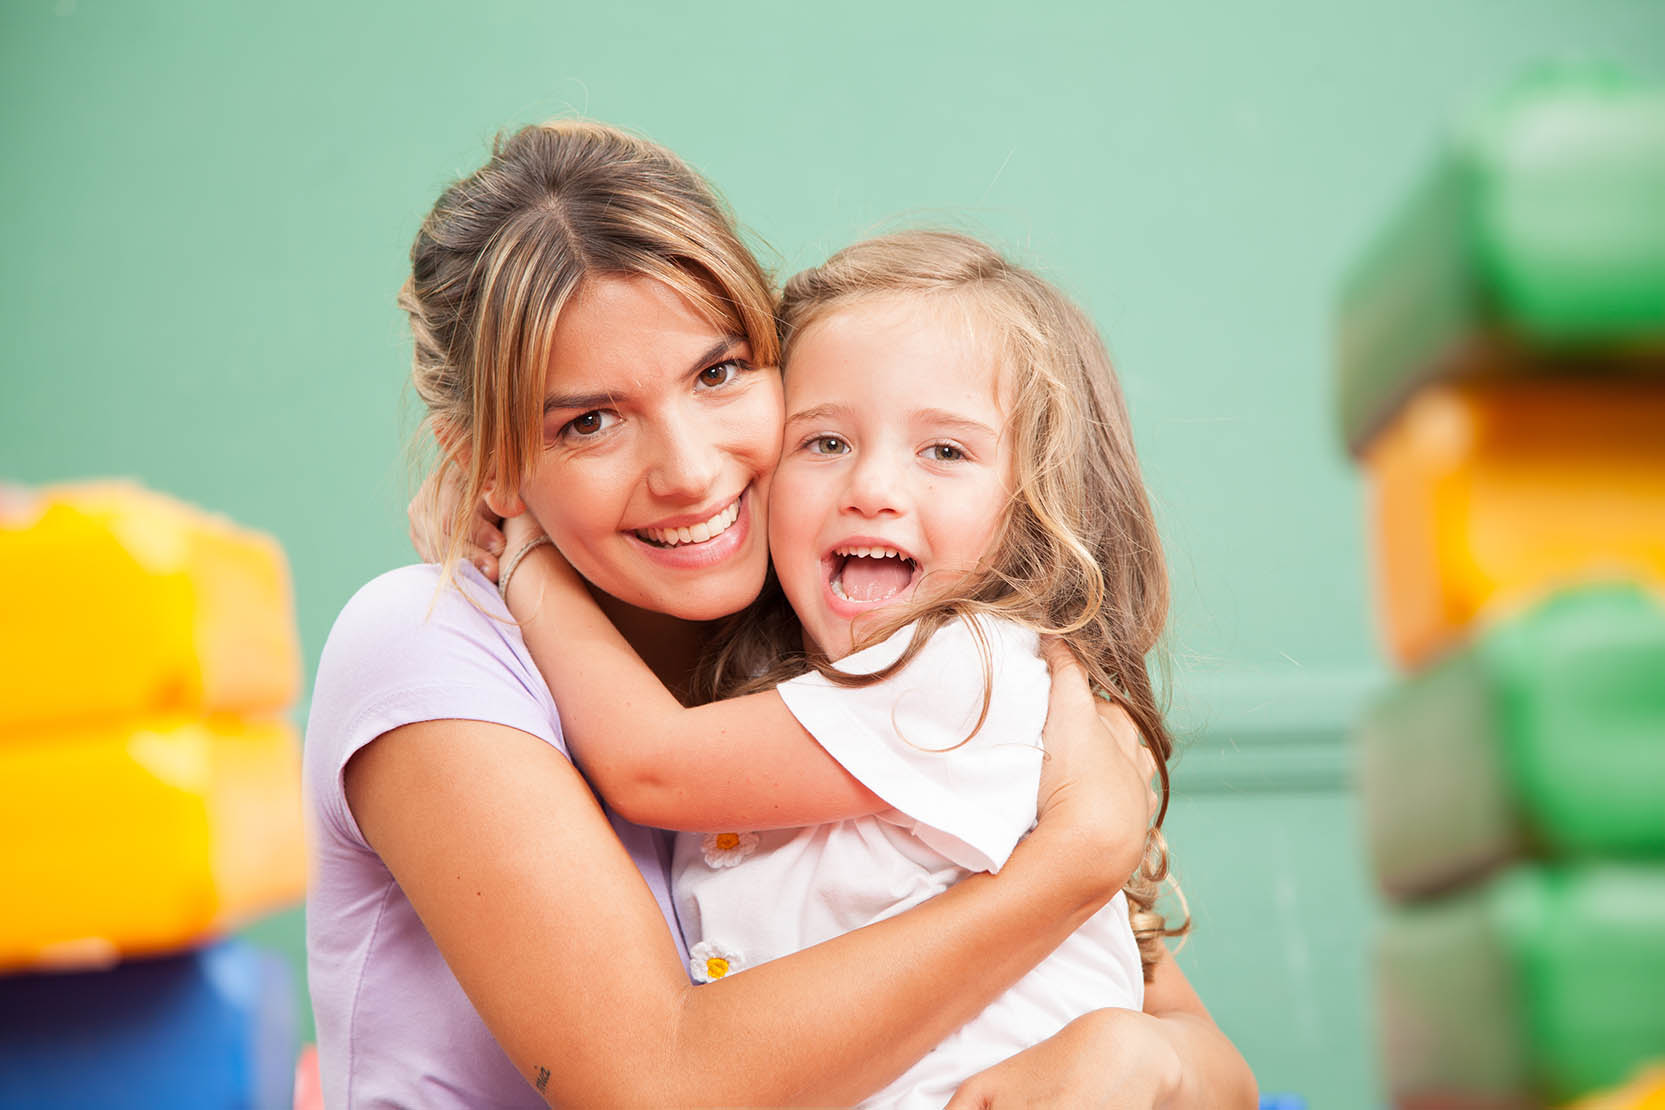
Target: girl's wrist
column 512, row 563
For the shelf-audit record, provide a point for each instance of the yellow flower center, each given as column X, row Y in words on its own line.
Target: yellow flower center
column 716, row 967
column 728, row 842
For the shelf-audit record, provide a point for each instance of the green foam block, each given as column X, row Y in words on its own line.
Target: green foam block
column 1544, row 738
column 1535, row 245
column 1542, row 985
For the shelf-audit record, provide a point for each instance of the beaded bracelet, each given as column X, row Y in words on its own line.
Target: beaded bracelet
column 514, row 561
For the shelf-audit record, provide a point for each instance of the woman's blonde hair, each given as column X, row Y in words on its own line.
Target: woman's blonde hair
column 1078, row 555
column 507, row 246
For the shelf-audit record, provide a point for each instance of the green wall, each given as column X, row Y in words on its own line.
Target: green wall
column 207, row 208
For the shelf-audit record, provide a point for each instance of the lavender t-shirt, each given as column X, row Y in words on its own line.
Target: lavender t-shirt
column 394, row 1027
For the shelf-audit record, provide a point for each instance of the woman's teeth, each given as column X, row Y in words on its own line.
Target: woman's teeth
column 697, row 533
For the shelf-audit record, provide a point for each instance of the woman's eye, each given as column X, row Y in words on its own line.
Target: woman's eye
column 828, row 445
column 944, row 452
column 590, row 424
column 720, row 374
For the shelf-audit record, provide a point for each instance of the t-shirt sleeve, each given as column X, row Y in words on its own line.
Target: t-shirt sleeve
column 914, row 738
column 405, row 650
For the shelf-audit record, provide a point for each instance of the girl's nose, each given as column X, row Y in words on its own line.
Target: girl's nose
column 872, row 489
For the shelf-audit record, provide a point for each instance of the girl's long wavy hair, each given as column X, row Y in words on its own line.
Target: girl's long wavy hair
column 506, row 247
column 1078, row 555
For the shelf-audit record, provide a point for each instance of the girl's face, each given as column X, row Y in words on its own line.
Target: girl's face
column 659, row 436
column 895, row 472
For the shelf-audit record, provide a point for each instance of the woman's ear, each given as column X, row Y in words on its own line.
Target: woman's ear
column 503, row 504
column 456, row 445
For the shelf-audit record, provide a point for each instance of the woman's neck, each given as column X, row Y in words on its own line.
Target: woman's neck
column 668, row 645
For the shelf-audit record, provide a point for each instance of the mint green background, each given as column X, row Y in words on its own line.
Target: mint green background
column 207, row 209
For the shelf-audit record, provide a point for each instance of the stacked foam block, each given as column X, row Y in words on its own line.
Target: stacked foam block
column 149, row 802
column 1502, row 383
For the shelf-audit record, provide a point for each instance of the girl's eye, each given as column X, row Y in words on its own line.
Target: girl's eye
column 828, row 445
column 944, row 452
column 713, row 377
column 590, row 424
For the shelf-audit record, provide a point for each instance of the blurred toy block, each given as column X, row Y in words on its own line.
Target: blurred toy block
column 122, row 602
column 1544, row 737
column 1536, row 247
column 1539, row 986
column 1645, row 1092
column 214, row 1028
column 144, row 838
column 1484, row 496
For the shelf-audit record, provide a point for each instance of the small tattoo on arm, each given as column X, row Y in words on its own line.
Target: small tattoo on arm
column 543, row 1079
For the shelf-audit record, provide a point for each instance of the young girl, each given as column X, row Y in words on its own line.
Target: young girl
column 957, row 478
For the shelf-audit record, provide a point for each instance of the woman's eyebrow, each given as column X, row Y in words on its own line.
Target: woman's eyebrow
column 584, row 401
column 597, row 400
column 716, row 351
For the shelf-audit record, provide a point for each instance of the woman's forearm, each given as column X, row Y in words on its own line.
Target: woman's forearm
column 1213, row 1075
column 874, row 1001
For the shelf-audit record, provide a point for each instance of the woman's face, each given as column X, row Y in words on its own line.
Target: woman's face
column 659, row 437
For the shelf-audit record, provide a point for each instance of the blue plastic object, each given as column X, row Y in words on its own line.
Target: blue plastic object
column 1282, row 1102
column 211, row 1029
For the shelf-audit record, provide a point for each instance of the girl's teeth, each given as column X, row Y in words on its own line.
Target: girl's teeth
column 869, row 552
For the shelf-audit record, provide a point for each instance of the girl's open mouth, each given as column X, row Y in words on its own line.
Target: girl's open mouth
column 867, row 575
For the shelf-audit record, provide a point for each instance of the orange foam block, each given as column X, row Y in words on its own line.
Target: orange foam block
column 146, row 838
column 1484, row 496
column 119, row 602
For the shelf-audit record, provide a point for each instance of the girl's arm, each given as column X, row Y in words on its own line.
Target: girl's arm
column 1170, row 1056
column 740, row 763
column 517, row 875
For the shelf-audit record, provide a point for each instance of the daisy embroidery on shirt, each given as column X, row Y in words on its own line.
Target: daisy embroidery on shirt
column 710, row 962
column 727, row 849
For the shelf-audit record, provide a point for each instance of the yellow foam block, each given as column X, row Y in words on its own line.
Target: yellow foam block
column 119, row 602
column 1645, row 1092
column 1485, row 495
column 122, row 841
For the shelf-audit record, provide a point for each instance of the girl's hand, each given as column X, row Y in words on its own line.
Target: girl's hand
column 1095, row 784
column 433, row 509
column 1118, row 1059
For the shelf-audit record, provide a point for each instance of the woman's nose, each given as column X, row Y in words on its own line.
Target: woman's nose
column 687, row 464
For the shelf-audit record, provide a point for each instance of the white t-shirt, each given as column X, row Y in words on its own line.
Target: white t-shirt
column 962, row 800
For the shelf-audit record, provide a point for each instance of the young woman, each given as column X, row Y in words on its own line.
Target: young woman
column 481, row 931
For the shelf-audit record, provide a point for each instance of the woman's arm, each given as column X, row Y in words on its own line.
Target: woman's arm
column 517, row 875
column 740, row 763
column 1171, row 1056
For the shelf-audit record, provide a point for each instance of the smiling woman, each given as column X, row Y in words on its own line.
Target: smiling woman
column 593, row 342
column 659, row 435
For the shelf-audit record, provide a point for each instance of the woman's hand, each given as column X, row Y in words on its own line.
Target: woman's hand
column 1095, row 784
column 1114, row 1059
column 433, row 509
